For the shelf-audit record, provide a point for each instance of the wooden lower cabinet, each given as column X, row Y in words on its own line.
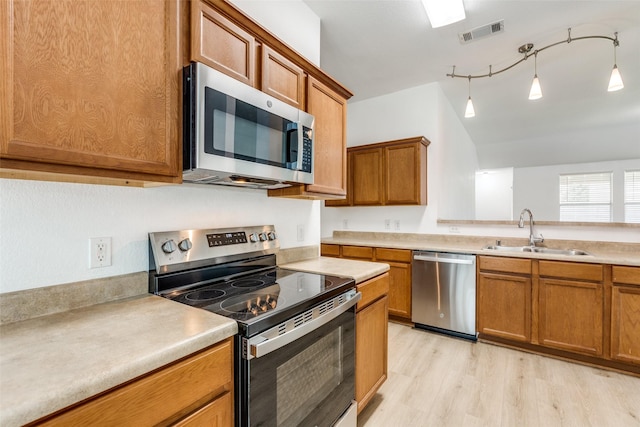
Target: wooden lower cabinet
column 625, row 315
column 571, row 316
column 504, row 306
column 195, row 391
column 399, row 261
column 371, row 338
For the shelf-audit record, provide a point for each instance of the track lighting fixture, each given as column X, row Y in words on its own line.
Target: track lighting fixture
column 469, row 111
column 615, row 82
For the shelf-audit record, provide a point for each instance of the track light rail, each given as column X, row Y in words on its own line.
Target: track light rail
column 526, row 50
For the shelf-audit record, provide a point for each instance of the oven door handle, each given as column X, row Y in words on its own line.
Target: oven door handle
column 267, row 345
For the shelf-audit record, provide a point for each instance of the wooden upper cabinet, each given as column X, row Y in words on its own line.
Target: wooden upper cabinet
column 91, row 88
column 221, row 44
column 405, row 169
column 366, row 169
column 282, row 78
column 387, row 173
column 329, row 109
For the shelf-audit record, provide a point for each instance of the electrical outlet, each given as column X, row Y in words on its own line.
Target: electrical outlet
column 345, row 224
column 100, row 252
column 300, row 233
column 396, row 223
column 387, row 224
column 453, row 229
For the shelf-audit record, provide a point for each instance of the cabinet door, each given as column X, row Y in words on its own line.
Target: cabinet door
column 366, row 167
column 371, row 350
column 625, row 323
column 348, row 200
column 504, row 306
column 282, row 78
column 571, row 315
column 91, row 88
column 399, row 289
column 330, row 146
column 404, row 181
column 221, row 44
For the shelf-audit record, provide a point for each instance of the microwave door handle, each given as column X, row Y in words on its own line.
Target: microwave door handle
column 288, row 157
column 300, row 145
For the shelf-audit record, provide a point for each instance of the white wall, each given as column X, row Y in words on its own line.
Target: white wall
column 419, row 111
column 452, row 163
column 494, row 194
column 537, row 188
column 45, row 227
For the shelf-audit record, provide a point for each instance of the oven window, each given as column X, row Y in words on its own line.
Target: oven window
column 308, row 378
column 309, row 382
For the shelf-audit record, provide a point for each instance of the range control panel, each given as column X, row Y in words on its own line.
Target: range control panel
column 190, row 248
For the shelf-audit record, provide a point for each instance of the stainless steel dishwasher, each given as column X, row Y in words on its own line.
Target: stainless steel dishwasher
column 444, row 293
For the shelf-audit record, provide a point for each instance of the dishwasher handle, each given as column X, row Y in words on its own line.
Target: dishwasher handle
column 443, row 260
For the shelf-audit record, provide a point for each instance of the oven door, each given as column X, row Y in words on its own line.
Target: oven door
column 301, row 377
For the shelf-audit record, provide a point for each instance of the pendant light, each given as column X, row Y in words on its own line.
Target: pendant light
column 615, row 82
column 469, row 112
column 536, row 90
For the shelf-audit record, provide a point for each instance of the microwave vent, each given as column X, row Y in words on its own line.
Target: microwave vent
column 481, row 32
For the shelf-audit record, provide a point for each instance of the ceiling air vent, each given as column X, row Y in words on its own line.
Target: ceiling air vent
column 482, row 31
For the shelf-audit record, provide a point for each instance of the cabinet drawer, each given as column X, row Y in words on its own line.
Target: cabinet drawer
column 146, row 401
column 357, row 252
column 572, row 270
column 508, row 265
column 329, row 250
column 630, row 275
column 372, row 289
column 398, row 255
column 218, row 413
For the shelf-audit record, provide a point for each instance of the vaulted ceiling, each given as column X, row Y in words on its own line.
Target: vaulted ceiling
column 376, row 47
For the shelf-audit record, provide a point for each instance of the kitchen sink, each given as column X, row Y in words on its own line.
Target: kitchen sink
column 535, row 249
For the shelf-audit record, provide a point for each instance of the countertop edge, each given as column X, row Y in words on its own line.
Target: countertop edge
column 27, row 410
column 595, row 256
column 360, row 271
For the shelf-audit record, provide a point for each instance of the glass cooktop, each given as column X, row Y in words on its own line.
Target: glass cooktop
column 262, row 300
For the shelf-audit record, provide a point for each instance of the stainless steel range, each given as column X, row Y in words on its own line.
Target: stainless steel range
column 294, row 353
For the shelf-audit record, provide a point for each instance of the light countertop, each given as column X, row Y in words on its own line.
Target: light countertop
column 50, row 362
column 358, row 270
column 599, row 252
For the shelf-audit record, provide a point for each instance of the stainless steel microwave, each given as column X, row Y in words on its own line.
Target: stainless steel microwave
column 237, row 135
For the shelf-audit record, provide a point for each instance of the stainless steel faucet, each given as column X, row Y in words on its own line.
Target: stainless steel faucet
column 532, row 238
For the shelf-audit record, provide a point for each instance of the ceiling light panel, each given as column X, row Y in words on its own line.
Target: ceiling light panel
column 444, row 12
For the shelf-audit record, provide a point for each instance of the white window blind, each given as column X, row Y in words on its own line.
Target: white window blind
column 632, row 196
column 585, row 197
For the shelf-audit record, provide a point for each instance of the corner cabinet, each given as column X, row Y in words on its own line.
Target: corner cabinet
column 194, row 391
column 91, row 90
column 387, row 173
column 329, row 145
column 399, row 261
column 371, row 338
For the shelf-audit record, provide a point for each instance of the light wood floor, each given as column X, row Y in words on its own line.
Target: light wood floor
column 435, row 380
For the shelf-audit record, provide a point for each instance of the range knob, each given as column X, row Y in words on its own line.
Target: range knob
column 263, row 237
column 185, row 245
column 271, row 235
column 168, row 246
column 253, row 237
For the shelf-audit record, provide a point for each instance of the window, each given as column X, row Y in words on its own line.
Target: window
column 632, row 196
column 585, row 197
